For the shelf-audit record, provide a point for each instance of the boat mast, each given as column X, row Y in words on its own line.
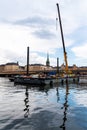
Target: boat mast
column 27, row 60
column 64, row 50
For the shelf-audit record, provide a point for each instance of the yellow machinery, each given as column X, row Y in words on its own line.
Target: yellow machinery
column 65, row 53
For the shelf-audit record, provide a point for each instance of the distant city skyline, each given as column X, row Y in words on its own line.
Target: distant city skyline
column 33, row 24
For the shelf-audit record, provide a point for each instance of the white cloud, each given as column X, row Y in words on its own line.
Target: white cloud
column 80, row 51
column 14, row 41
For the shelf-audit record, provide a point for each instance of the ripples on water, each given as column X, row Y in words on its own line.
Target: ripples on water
column 42, row 108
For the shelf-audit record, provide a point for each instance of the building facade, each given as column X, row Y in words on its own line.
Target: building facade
column 11, row 67
column 38, row 67
column 2, row 67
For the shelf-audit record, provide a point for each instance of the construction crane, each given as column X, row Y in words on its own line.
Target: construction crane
column 64, row 50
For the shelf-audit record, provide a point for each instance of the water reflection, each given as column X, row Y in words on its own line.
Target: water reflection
column 44, row 109
column 65, row 107
column 45, row 88
column 58, row 98
column 26, row 100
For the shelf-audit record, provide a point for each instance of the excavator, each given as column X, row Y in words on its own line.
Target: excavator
column 64, row 50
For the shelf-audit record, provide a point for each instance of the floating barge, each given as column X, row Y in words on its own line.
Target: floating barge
column 43, row 80
column 22, row 79
column 35, row 80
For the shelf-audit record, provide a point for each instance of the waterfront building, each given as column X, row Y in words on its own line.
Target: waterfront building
column 38, row 67
column 2, row 67
column 11, row 66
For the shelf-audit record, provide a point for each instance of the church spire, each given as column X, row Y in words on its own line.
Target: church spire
column 47, row 62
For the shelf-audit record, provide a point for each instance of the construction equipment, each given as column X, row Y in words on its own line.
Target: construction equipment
column 65, row 53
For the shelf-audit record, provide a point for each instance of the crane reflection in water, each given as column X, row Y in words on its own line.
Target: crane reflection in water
column 65, row 107
column 57, row 94
column 26, row 100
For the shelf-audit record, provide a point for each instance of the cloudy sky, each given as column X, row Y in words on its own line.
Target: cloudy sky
column 33, row 23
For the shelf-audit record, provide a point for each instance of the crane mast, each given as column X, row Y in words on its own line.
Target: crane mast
column 64, row 50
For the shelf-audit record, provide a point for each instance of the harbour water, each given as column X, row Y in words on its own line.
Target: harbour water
column 57, row 107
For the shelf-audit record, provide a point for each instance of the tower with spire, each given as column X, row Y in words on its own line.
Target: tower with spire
column 47, row 62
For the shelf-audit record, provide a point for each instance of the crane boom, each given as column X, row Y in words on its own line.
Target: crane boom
column 64, row 50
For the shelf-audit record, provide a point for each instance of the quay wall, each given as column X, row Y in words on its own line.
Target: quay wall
column 10, row 73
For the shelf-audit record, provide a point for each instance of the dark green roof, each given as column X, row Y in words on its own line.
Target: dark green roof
column 12, row 63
